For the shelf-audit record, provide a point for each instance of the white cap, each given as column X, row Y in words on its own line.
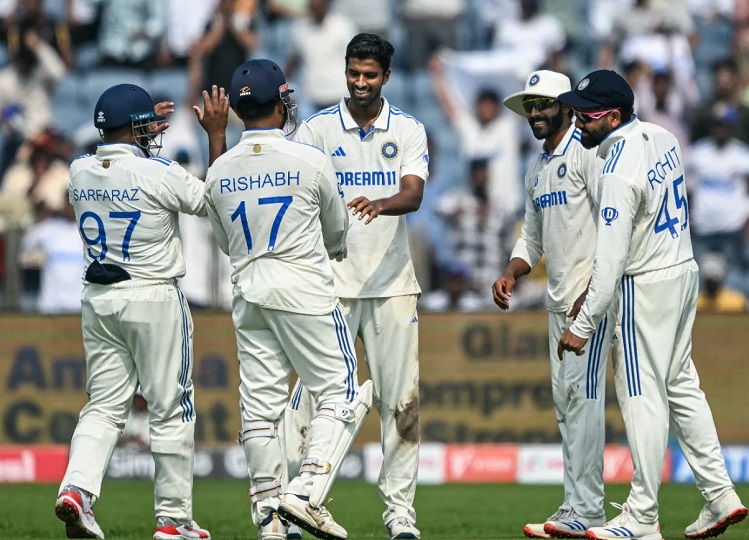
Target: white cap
column 540, row 83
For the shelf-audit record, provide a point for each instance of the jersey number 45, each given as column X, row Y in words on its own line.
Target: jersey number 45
column 664, row 221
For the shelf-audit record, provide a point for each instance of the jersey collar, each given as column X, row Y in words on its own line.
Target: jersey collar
column 381, row 122
column 113, row 150
column 253, row 135
column 617, row 135
column 561, row 149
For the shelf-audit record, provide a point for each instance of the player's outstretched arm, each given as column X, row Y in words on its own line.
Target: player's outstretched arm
column 502, row 288
column 407, row 200
column 213, row 119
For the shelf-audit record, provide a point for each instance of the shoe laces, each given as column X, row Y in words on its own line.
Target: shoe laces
column 560, row 514
column 403, row 522
column 165, row 521
column 623, row 518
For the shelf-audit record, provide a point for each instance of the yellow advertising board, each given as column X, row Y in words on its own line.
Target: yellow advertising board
column 484, row 378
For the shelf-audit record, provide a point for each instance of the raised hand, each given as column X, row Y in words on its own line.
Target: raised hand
column 214, row 116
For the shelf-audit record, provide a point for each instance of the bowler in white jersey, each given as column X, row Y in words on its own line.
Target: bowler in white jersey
column 137, row 328
column 277, row 212
column 560, row 222
column 380, row 157
column 644, row 252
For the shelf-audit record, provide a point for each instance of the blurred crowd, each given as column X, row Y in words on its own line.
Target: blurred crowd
column 687, row 61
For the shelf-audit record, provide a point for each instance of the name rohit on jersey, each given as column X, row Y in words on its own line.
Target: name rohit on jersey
column 259, row 181
column 106, row 194
column 547, row 200
column 658, row 173
column 367, row 178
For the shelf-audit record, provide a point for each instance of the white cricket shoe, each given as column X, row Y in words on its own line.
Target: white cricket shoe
column 573, row 525
column 716, row 516
column 294, row 533
column 624, row 526
column 73, row 506
column 272, row 528
column 402, row 527
column 318, row 521
column 536, row 530
column 170, row 529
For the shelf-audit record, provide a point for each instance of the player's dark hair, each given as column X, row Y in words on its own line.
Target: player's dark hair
column 251, row 111
column 365, row 46
column 626, row 113
column 725, row 63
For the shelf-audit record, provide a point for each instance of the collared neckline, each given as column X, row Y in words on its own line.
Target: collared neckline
column 381, row 122
column 265, row 133
column 617, row 135
column 564, row 144
column 110, row 150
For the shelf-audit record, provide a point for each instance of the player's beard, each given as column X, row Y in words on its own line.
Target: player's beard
column 590, row 139
column 364, row 102
column 549, row 124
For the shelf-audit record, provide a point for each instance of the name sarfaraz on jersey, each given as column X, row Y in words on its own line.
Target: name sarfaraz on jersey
column 106, row 194
column 259, row 181
column 555, row 198
column 367, row 178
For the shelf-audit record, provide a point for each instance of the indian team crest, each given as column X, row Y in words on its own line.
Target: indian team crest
column 534, row 80
column 389, row 150
column 583, row 84
column 562, row 170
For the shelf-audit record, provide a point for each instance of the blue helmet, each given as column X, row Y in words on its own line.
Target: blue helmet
column 125, row 104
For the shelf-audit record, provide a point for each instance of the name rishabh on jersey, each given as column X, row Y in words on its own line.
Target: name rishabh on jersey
column 560, row 218
column 276, row 211
column 371, row 164
column 127, row 207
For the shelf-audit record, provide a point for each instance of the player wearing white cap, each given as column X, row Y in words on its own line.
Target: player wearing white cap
column 136, row 322
column 644, row 249
column 276, row 211
column 560, row 222
column 380, row 158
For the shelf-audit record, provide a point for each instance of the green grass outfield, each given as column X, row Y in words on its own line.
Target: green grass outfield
column 222, row 506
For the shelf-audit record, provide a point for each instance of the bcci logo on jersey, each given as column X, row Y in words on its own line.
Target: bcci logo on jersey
column 609, row 214
column 389, row 150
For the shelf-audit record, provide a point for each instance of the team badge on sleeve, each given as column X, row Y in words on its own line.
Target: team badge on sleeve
column 389, row 150
column 609, row 214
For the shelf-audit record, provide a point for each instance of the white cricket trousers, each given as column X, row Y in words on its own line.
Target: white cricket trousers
column 389, row 330
column 138, row 332
column 270, row 344
column 657, row 385
column 579, row 389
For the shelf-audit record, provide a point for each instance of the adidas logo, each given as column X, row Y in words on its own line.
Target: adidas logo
column 415, row 319
column 339, row 152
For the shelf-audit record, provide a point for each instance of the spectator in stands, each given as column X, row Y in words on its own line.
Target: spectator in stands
column 726, row 91
column 715, row 297
column 478, row 236
column 130, row 32
column 54, row 246
column 429, row 25
column 456, row 295
column 182, row 32
column 26, row 87
column 227, row 42
column 369, row 17
column 83, row 18
column 323, row 63
column 30, row 16
column 667, row 109
column 718, row 176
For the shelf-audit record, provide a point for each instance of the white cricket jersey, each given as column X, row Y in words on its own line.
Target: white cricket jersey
column 643, row 223
column 371, row 164
column 560, row 218
column 127, row 206
column 277, row 213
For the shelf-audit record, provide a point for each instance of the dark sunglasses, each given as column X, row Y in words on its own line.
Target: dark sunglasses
column 587, row 117
column 539, row 103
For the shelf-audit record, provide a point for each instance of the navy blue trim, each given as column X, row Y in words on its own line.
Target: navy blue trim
column 629, row 337
column 396, row 111
column 634, row 117
column 330, row 110
column 83, row 156
column 344, row 343
column 185, row 401
column 296, row 399
column 162, row 160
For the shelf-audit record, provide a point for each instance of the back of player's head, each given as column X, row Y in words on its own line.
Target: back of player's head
column 365, row 46
column 256, row 87
column 128, row 106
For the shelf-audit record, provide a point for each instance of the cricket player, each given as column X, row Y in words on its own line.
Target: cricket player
column 277, row 212
column 380, row 158
column 560, row 222
column 644, row 252
column 136, row 323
